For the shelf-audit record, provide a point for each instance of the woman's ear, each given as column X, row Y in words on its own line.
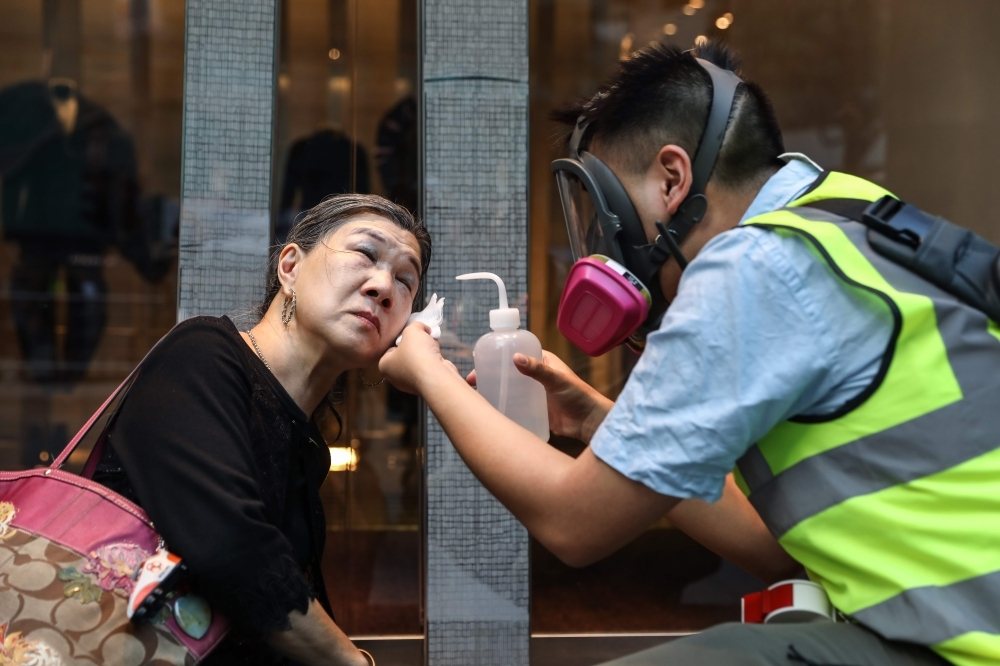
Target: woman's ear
column 672, row 169
column 289, row 262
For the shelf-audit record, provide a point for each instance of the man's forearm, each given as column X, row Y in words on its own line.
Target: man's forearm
column 513, row 464
column 733, row 529
column 580, row 509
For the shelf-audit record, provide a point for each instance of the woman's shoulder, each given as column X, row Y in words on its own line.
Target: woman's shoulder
column 203, row 329
column 200, row 343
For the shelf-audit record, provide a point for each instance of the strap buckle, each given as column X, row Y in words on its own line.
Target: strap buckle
column 898, row 220
column 666, row 246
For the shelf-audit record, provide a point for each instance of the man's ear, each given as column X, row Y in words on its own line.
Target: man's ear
column 289, row 262
column 672, row 170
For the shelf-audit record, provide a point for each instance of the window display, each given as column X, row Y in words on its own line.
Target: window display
column 90, row 142
column 347, row 122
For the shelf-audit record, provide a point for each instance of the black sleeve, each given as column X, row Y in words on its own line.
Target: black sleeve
column 183, row 439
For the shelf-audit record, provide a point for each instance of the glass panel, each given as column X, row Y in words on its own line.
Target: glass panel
column 900, row 93
column 90, row 142
column 575, row 45
column 347, row 119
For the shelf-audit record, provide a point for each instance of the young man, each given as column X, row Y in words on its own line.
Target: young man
column 852, row 397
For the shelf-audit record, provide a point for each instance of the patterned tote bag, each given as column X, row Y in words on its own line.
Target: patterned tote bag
column 70, row 551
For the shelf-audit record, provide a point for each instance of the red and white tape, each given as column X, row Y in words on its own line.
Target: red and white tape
column 787, row 602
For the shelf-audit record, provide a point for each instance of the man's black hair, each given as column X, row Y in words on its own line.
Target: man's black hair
column 661, row 96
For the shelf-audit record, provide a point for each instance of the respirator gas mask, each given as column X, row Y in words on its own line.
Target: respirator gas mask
column 613, row 292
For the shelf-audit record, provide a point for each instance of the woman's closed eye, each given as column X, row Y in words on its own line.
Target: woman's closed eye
column 404, row 278
column 369, row 252
column 407, row 281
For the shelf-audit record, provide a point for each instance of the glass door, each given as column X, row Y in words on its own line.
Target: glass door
column 90, row 148
column 347, row 122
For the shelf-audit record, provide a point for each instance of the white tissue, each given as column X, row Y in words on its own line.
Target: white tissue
column 432, row 316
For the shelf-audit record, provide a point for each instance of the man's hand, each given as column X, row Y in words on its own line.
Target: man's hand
column 575, row 407
column 579, row 508
column 416, row 361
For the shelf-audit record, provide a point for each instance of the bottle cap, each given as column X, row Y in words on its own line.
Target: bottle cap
column 503, row 317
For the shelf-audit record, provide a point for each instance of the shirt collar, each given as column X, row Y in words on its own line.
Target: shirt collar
column 785, row 186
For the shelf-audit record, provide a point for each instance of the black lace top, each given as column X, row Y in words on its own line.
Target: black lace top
column 228, row 468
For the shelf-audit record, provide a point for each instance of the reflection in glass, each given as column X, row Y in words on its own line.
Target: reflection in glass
column 396, row 152
column 347, row 123
column 319, row 165
column 89, row 179
column 68, row 195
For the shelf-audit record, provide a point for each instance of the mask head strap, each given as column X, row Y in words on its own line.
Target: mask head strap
column 724, row 85
column 576, row 139
column 692, row 209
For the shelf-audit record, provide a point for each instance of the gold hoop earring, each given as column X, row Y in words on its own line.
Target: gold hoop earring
column 367, row 383
column 288, row 309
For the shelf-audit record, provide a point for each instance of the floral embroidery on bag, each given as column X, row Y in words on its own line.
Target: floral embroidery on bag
column 7, row 512
column 16, row 650
column 79, row 586
column 116, row 565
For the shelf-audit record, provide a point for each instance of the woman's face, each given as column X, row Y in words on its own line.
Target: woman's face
column 355, row 288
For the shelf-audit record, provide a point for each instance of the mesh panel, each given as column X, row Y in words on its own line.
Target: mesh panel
column 225, row 197
column 475, row 204
column 590, row 317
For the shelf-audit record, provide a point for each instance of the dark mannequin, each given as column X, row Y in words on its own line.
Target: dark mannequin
column 320, row 165
column 69, row 187
column 396, row 152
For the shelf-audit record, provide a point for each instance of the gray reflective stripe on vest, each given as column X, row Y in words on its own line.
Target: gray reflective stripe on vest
column 909, row 451
column 963, row 328
column 931, row 443
column 755, row 470
column 932, row 615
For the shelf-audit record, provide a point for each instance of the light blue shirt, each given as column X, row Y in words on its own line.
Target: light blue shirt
column 761, row 330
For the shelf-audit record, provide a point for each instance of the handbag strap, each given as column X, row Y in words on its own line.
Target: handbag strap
column 95, row 455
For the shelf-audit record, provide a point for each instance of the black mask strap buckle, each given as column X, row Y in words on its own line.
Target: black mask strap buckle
column 667, row 244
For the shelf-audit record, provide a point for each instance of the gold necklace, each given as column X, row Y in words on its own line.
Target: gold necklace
column 263, row 360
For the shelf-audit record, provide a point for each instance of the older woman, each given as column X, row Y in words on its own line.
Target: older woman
column 216, row 438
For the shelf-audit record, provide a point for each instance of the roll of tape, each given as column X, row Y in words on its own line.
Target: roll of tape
column 786, row 602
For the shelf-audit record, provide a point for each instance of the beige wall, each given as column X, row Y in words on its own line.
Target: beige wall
column 942, row 98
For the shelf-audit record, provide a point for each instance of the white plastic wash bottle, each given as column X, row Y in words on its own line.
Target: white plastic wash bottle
column 520, row 398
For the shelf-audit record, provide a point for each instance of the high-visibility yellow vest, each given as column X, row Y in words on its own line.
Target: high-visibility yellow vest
column 892, row 502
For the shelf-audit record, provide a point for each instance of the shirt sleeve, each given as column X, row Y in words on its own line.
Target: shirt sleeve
column 183, row 439
column 747, row 343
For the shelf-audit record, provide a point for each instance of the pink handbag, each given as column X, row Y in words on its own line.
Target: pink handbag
column 70, row 550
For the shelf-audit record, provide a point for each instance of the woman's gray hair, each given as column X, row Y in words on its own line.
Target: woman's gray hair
column 332, row 213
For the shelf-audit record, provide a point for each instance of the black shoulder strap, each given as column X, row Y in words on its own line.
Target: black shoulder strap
column 955, row 259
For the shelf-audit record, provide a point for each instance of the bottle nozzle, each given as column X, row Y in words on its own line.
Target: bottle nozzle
column 489, row 276
column 504, row 316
